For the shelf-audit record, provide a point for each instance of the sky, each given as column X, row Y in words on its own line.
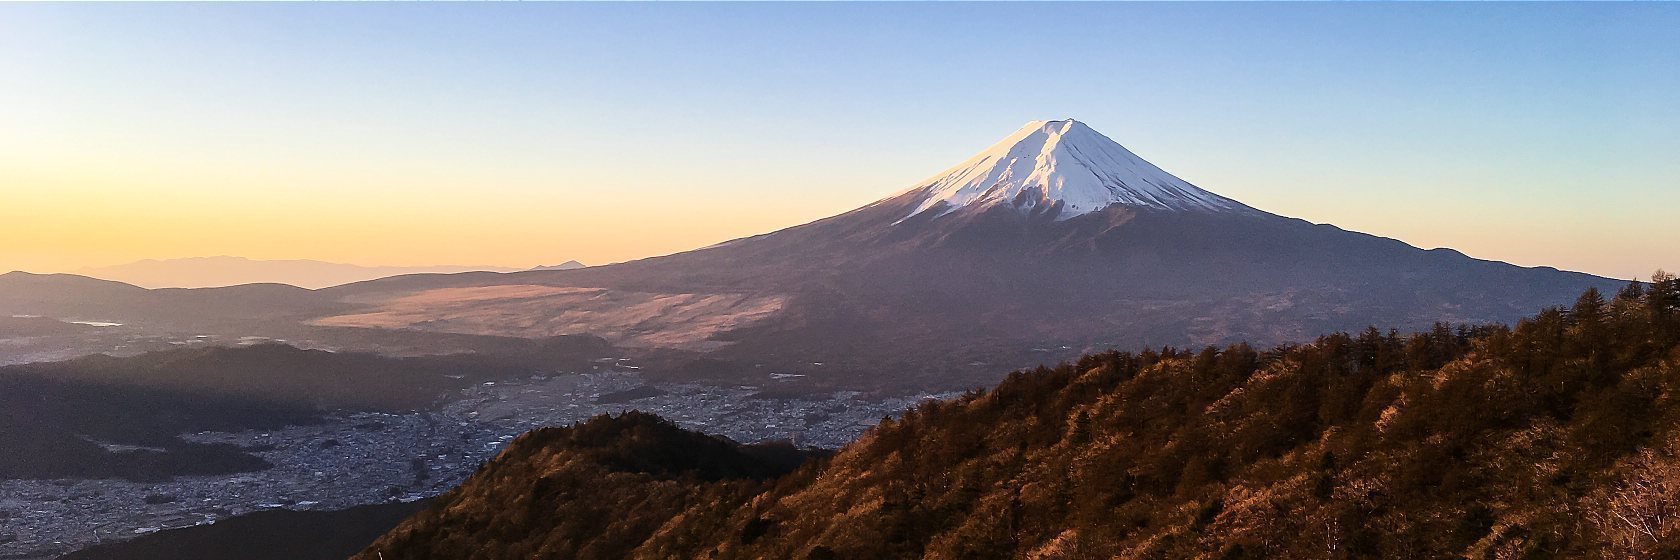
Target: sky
column 525, row 134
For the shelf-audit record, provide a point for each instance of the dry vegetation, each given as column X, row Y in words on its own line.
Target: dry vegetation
column 687, row 321
column 1556, row 438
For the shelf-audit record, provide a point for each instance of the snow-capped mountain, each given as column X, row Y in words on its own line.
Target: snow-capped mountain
column 1054, row 241
column 1064, row 169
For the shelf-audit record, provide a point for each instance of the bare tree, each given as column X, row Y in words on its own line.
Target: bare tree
column 1641, row 511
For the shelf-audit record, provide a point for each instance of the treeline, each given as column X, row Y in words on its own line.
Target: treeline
column 1558, row 437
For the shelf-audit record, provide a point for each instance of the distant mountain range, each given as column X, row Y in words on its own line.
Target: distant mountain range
column 568, row 265
column 1054, row 241
column 204, row 272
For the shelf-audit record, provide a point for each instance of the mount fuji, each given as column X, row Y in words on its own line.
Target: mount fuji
column 1062, row 169
column 1054, row 241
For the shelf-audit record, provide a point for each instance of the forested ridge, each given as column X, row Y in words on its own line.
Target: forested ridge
column 57, row 418
column 1558, row 437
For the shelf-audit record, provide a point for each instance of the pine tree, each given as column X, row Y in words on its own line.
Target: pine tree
column 1663, row 300
column 1589, row 308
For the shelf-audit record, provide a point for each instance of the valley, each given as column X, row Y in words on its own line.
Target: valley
column 347, row 460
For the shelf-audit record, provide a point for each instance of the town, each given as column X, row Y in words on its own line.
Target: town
column 365, row 458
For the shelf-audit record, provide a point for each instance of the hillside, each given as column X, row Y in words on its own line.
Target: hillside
column 616, row 480
column 1557, row 437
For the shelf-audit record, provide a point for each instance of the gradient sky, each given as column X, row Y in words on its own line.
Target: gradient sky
column 408, row 134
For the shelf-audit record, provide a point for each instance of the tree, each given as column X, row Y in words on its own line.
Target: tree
column 1641, row 512
column 1589, row 308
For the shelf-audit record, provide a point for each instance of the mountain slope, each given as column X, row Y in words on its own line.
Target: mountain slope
column 1559, row 438
column 1055, row 237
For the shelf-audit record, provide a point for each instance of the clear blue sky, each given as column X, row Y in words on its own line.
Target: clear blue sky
column 518, row 134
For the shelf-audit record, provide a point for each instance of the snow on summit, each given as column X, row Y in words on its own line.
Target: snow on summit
column 1050, row 162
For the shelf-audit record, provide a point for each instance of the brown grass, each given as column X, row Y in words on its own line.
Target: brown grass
column 682, row 320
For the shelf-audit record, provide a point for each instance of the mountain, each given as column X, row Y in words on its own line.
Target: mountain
column 1558, row 438
column 203, row 272
column 1053, row 241
column 1062, row 169
column 568, row 265
column 70, row 296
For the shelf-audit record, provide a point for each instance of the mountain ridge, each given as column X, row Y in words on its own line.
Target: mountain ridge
column 222, row 271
